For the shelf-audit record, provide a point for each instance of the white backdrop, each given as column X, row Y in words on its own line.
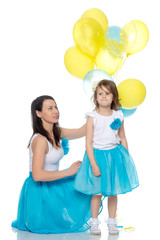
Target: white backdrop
column 34, row 37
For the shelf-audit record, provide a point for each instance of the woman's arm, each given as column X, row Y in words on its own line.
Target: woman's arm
column 40, row 148
column 122, row 136
column 89, row 146
column 73, row 133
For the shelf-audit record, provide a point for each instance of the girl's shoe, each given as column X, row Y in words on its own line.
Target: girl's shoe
column 112, row 226
column 94, row 227
column 113, row 230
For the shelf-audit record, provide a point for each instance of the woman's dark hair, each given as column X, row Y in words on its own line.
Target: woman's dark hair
column 111, row 86
column 37, row 125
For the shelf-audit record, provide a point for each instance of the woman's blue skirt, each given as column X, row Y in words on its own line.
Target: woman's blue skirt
column 52, row 207
column 118, row 173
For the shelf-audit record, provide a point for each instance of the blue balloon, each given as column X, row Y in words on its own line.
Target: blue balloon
column 128, row 112
column 92, row 78
column 114, row 33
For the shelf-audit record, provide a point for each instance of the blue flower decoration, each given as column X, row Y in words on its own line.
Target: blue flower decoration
column 116, row 124
column 65, row 145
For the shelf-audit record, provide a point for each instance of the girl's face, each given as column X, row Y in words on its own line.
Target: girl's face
column 104, row 97
column 49, row 113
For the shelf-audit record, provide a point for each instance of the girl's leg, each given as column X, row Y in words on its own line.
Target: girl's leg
column 95, row 205
column 94, row 222
column 112, row 206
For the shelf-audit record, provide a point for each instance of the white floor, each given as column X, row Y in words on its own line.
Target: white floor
column 137, row 234
column 35, row 35
column 135, row 218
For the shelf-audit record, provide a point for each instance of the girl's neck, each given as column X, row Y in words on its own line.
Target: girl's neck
column 106, row 111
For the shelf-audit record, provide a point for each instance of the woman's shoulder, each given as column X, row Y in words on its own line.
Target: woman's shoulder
column 38, row 139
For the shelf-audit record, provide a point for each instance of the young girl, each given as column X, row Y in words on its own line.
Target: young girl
column 107, row 168
column 48, row 202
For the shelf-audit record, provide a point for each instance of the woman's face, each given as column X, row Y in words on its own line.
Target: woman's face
column 49, row 113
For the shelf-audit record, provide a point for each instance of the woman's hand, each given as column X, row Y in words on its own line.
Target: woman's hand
column 73, row 169
column 96, row 171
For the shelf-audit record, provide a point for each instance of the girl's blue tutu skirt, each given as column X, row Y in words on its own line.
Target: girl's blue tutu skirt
column 52, row 207
column 118, row 173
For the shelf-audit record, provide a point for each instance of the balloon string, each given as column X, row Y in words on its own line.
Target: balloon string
column 124, row 59
column 126, row 229
column 129, row 229
column 121, row 227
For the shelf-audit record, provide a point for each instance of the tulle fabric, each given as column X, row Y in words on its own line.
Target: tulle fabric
column 118, row 173
column 52, row 207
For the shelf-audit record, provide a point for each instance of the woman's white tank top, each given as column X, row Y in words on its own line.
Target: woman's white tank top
column 52, row 158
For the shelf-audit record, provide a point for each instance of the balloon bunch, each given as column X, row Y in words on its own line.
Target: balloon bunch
column 100, row 52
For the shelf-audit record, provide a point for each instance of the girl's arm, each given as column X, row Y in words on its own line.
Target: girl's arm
column 40, row 148
column 122, row 136
column 89, row 146
column 73, row 133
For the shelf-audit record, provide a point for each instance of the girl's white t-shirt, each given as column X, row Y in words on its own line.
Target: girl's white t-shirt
column 104, row 137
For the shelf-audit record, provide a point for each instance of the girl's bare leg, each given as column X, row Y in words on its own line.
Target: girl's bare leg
column 112, row 206
column 95, row 205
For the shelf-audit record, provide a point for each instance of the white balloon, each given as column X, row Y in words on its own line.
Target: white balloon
column 92, row 78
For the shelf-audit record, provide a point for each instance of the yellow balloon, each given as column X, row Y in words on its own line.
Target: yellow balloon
column 107, row 60
column 88, row 35
column 78, row 63
column 142, row 37
column 128, row 36
column 99, row 16
column 114, row 47
column 134, row 37
column 132, row 93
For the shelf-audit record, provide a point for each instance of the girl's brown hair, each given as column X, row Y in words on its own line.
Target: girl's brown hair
column 111, row 86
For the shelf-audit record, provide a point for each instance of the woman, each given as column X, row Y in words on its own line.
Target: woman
column 48, row 202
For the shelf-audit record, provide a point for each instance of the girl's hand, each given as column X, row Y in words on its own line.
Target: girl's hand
column 73, row 169
column 96, row 171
